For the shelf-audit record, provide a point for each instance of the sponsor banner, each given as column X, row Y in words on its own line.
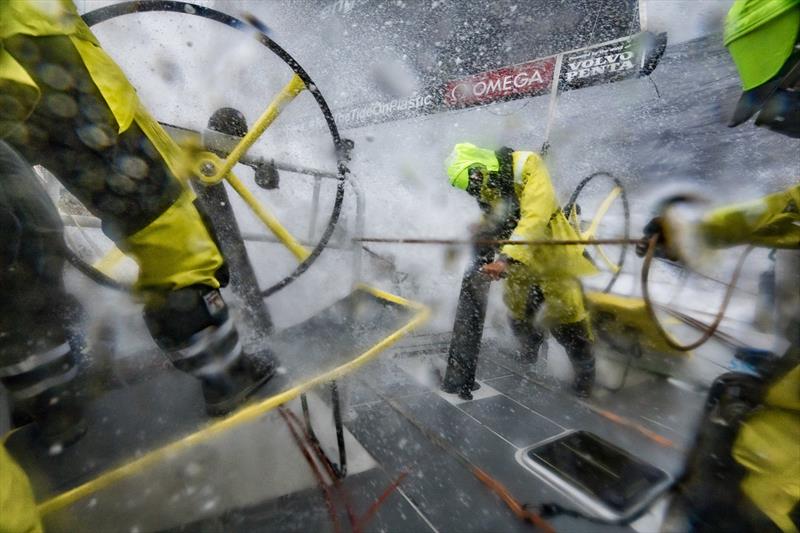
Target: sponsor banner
column 517, row 81
column 612, row 61
column 609, row 62
column 420, row 104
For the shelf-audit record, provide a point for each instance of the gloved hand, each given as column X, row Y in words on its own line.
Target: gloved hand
column 674, row 227
column 663, row 249
column 496, row 269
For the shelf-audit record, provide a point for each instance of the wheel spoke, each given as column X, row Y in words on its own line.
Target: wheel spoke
column 212, row 168
column 281, row 100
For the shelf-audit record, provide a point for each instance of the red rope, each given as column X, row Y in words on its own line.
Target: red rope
column 370, row 513
column 652, row 435
column 356, row 524
column 338, row 486
column 519, row 510
column 516, row 507
column 613, row 417
column 317, row 474
column 493, row 484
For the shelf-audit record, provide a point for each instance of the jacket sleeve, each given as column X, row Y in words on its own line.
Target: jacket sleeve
column 537, row 203
column 772, row 221
column 17, row 506
column 19, row 90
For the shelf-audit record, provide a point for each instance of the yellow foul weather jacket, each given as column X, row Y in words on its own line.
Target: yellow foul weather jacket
column 160, row 249
column 555, row 269
column 768, row 445
column 772, row 221
column 541, row 218
column 17, row 507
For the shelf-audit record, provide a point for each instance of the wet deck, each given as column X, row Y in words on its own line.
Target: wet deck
column 516, row 407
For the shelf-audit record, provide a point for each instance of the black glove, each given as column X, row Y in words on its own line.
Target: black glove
column 653, row 228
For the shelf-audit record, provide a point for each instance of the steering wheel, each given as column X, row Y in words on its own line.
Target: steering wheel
column 104, row 14
column 587, row 226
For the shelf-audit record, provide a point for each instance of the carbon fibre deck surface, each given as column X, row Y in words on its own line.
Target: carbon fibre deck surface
column 126, row 423
column 525, row 408
column 438, row 492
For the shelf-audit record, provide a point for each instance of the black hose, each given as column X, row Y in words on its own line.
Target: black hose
column 626, row 211
column 126, row 8
column 92, row 273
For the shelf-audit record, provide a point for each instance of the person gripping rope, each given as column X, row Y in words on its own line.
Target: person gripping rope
column 744, row 471
column 517, row 198
column 67, row 106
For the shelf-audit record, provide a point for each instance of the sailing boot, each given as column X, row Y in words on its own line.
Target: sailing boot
column 40, row 379
column 529, row 338
column 193, row 326
column 576, row 340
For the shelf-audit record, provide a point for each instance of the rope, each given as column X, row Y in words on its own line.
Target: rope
column 609, row 415
column 709, row 330
column 92, row 273
column 725, row 338
column 313, row 442
column 499, row 242
column 519, row 509
column 356, row 523
column 712, row 328
column 315, row 470
column 646, row 265
column 370, row 512
column 333, row 469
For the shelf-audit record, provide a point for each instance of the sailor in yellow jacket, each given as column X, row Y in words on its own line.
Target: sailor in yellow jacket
column 65, row 105
column 760, row 453
column 745, row 475
column 518, row 202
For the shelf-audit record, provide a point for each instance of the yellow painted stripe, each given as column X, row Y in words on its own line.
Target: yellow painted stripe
column 247, row 414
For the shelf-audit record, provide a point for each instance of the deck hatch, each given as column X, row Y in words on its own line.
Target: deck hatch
column 605, row 478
